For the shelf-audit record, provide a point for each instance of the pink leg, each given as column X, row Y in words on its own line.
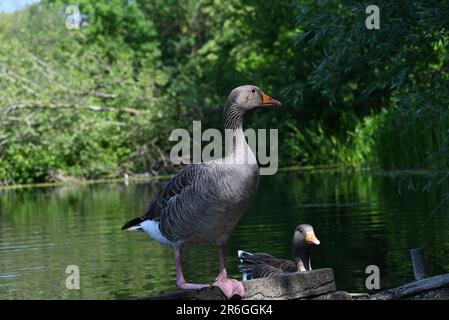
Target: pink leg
column 222, row 253
column 180, row 281
column 229, row 287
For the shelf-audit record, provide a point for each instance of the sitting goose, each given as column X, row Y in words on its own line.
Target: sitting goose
column 205, row 201
column 261, row 265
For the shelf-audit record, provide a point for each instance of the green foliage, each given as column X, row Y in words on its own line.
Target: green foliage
column 380, row 96
column 102, row 100
column 73, row 107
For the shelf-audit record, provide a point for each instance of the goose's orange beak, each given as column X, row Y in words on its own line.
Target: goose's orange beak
column 311, row 238
column 269, row 101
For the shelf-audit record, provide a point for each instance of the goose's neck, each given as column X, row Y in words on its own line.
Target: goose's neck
column 233, row 117
column 301, row 255
column 235, row 142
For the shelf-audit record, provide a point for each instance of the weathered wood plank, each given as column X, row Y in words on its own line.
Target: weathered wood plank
column 301, row 285
column 211, row 293
column 337, row 295
column 291, row 286
column 414, row 288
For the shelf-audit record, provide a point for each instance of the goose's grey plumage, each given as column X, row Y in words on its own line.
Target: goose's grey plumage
column 261, row 265
column 205, row 201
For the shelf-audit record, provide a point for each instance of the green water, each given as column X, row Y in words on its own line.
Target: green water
column 360, row 218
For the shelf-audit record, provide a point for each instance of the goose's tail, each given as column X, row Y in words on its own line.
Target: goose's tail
column 246, row 265
column 133, row 225
column 243, row 255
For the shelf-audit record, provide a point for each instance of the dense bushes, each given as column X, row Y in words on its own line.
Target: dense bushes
column 102, row 100
column 72, row 106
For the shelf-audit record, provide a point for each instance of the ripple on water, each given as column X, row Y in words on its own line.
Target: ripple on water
column 360, row 219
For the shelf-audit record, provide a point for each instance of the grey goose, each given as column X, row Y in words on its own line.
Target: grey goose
column 205, row 201
column 261, row 265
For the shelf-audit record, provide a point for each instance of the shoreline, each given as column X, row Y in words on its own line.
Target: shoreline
column 147, row 177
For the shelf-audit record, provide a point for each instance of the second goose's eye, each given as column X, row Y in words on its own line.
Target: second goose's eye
column 253, row 90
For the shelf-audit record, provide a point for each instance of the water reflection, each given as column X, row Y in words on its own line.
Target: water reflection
column 360, row 218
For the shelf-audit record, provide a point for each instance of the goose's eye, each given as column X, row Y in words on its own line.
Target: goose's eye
column 253, row 91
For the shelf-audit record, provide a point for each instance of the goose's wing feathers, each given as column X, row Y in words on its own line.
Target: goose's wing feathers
column 260, row 265
column 262, row 270
column 184, row 179
column 189, row 206
column 202, row 202
column 174, row 187
column 247, row 258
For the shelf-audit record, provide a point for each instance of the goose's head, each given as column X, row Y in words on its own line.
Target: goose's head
column 303, row 239
column 250, row 97
column 305, row 236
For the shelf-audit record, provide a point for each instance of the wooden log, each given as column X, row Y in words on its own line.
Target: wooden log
column 337, row 295
column 211, row 293
column 291, row 286
column 414, row 288
column 300, row 285
column 439, row 294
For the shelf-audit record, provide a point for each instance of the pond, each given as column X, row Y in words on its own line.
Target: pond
column 361, row 218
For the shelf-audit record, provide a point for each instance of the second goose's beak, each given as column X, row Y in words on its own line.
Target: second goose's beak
column 269, row 101
column 311, row 238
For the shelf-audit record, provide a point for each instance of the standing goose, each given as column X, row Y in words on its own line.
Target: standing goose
column 204, row 202
column 261, row 265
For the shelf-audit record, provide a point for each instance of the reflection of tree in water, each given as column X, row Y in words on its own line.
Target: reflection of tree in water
column 360, row 218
